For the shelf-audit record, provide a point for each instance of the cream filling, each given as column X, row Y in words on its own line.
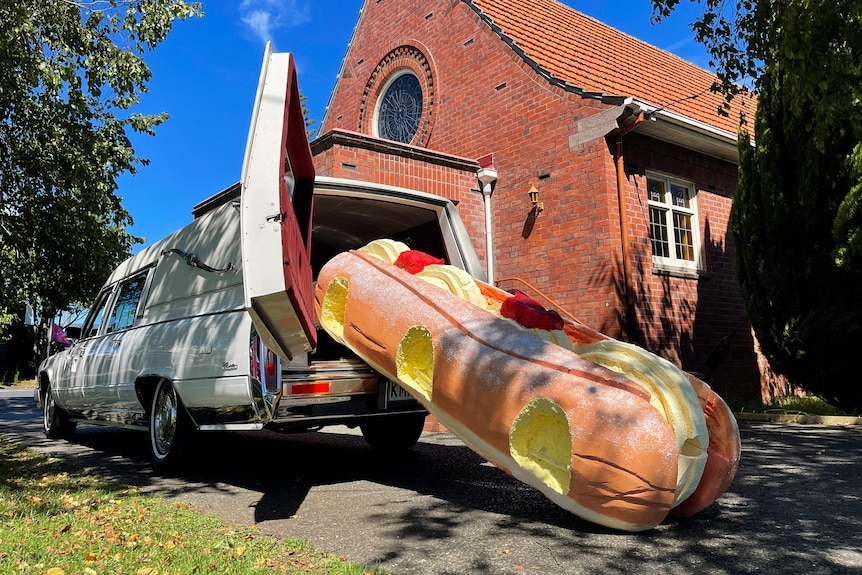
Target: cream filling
column 386, row 250
column 670, row 393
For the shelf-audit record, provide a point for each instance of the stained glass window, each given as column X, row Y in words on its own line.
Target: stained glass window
column 400, row 108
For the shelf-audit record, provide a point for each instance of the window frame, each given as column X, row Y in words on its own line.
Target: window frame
column 672, row 262
column 97, row 314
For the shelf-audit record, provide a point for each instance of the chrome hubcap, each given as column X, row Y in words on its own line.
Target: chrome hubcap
column 164, row 420
column 49, row 410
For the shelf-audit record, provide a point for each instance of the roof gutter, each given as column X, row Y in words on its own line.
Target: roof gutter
column 675, row 128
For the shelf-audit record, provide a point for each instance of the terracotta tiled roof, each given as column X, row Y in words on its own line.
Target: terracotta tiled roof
column 591, row 55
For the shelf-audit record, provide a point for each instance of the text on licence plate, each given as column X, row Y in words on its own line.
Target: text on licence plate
column 395, row 392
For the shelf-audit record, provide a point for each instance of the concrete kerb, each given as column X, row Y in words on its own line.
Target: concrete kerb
column 799, row 418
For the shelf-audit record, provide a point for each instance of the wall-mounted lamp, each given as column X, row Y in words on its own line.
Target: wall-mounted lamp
column 534, row 199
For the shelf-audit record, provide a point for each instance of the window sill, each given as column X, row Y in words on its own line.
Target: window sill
column 670, row 270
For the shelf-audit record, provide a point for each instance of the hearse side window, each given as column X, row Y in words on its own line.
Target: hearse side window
column 97, row 312
column 126, row 304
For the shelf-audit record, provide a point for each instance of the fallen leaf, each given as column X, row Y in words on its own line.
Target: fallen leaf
column 55, row 571
column 90, row 557
column 147, row 571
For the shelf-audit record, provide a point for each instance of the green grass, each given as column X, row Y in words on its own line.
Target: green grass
column 18, row 383
column 807, row 405
column 55, row 522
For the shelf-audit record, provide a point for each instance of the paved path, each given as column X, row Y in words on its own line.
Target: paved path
column 795, row 507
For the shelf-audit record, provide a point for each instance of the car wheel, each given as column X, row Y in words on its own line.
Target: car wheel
column 393, row 433
column 170, row 428
column 55, row 420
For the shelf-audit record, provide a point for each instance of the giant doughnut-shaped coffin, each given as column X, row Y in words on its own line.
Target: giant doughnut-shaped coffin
column 724, row 449
column 594, row 441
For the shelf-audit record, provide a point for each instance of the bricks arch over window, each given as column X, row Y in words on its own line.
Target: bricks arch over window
column 408, row 61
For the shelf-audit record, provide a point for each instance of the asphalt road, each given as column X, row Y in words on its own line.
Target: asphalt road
column 795, row 506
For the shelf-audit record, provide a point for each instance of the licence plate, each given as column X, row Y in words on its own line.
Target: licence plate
column 395, row 392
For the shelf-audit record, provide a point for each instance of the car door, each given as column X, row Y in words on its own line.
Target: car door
column 277, row 188
column 111, row 369
column 71, row 387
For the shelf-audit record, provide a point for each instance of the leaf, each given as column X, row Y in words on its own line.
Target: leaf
column 64, row 140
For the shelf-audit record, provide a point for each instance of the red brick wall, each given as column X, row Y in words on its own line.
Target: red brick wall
column 484, row 103
column 696, row 321
column 484, row 99
column 359, row 157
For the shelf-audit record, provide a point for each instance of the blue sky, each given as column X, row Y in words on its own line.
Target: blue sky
column 205, row 75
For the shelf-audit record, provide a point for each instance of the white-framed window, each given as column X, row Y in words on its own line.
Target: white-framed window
column 673, row 226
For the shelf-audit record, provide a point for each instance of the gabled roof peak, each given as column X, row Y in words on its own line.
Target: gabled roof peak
column 586, row 56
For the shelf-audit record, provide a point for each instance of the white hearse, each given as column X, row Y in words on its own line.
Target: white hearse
column 212, row 328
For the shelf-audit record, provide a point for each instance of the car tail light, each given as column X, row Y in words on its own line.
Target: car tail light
column 307, row 388
column 265, row 365
column 271, row 363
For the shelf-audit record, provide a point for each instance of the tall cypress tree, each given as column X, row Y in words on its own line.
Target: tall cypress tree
column 797, row 212
column 804, row 305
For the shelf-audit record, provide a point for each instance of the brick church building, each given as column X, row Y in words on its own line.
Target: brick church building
column 607, row 172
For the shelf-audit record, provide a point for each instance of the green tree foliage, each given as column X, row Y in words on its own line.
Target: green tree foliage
column 72, row 72
column 309, row 122
column 805, row 307
column 797, row 213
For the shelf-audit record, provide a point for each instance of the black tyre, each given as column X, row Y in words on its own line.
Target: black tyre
column 55, row 420
column 393, row 433
column 170, row 428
